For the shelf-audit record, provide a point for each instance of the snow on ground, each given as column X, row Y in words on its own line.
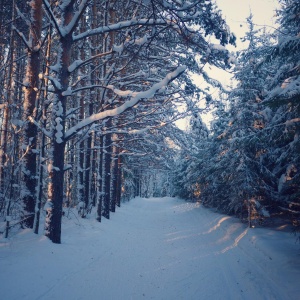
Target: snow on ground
column 152, row 249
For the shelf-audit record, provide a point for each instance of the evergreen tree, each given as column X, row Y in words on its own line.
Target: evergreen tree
column 283, row 99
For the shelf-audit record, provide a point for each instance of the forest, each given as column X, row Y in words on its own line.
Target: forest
column 90, row 94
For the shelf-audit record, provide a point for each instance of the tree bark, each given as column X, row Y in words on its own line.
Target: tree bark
column 106, row 176
column 8, row 83
column 42, row 141
column 56, row 165
column 100, row 181
column 114, row 176
column 30, row 101
column 119, row 180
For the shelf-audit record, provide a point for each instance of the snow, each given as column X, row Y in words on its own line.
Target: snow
column 134, row 99
column 59, row 130
column 67, row 92
column 75, row 65
column 8, row 218
column 71, row 25
column 121, row 25
column 286, row 176
column 232, row 59
column 48, row 206
column 141, row 41
column 218, row 47
column 288, row 89
column 157, row 248
column 118, row 48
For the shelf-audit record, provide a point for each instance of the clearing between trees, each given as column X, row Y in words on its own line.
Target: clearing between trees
column 156, row 248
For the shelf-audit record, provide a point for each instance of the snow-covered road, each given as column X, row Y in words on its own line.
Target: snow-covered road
column 164, row 249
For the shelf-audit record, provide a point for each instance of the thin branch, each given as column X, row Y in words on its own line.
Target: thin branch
column 52, row 17
column 75, row 19
column 125, row 106
column 45, row 132
column 119, row 26
column 21, row 35
column 79, row 63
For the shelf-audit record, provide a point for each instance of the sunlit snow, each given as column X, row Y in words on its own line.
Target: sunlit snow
column 157, row 248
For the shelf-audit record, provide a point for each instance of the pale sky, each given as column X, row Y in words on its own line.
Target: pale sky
column 236, row 12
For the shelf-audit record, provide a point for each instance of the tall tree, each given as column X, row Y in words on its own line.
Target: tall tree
column 33, row 44
column 108, row 59
column 283, row 99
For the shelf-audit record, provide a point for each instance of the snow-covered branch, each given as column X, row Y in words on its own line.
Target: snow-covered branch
column 179, row 7
column 67, row 29
column 121, row 25
column 21, row 35
column 135, row 98
column 292, row 121
column 45, row 132
column 79, row 63
column 52, row 17
column 73, row 23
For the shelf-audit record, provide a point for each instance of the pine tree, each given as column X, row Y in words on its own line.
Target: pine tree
column 30, row 102
column 283, row 99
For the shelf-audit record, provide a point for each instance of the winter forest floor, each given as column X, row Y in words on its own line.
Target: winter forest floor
column 152, row 249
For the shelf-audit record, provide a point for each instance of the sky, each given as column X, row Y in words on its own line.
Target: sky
column 235, row 13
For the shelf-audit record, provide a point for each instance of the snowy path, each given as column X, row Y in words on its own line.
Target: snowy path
column 153, row 249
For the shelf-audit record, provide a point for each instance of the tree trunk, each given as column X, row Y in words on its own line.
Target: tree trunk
column 106, row 176
column 80, row 177
column 56, row 161
column 100, row 180
column 12, row 182
column 88, row 155
column 43, row 141
column 114, row 176
column 8, row 83
column 119, row 180
column 55, row 193
column 137, row 184
column 82, row 192
column 30, row 99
